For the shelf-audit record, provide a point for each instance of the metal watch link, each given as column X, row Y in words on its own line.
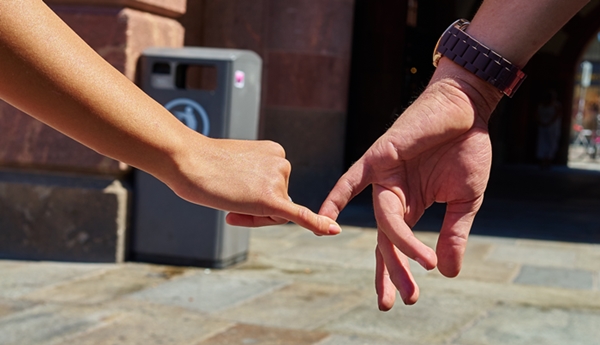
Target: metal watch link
column 480, row 60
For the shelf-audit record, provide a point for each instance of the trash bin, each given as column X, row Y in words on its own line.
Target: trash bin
column 215, row 92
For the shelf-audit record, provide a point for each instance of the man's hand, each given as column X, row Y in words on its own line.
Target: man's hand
column 437, row 151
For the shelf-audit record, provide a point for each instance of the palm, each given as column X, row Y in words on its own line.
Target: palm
column 454, row 173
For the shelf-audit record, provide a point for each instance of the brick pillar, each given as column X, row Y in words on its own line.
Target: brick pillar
column 58, row 199
column 306, row 48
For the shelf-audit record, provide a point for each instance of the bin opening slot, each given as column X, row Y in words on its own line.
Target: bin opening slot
column 161, row 68
column 196, row 77
column 162, row 77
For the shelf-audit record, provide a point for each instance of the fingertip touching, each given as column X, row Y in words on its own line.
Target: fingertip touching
column 329, row 209
column 319, row 224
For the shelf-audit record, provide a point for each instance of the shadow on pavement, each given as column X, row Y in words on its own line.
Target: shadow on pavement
column 561, row 204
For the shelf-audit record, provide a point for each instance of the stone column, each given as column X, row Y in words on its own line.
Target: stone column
column 306, row 48
column 58, row 199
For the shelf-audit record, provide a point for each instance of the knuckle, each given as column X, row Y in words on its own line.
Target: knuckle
column 309, row 217
column 286, row 167
column 457, row 241
column 303, row 213
column 276, row 148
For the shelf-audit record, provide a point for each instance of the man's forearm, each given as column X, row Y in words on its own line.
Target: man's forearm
column 518, row 29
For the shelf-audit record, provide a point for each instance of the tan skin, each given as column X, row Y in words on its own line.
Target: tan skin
column 47, row 71
column 439, row 150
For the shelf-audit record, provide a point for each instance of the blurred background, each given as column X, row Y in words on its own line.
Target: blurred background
column 336, row 74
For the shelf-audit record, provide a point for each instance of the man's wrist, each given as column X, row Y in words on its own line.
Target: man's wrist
column 466, row 51
column 483, row 96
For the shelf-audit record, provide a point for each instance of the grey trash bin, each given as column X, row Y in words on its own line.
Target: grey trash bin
column 217, row 93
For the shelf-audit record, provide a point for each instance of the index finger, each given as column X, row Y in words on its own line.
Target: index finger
column 354, row 181
column 283, row 212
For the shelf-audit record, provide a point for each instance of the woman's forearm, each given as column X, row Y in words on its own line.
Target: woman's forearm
column 47, row 71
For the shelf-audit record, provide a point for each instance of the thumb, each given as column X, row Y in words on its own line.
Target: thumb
column 354, row 181
column 250, row 221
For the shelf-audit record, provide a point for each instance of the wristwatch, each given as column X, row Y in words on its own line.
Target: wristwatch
column 480, row 60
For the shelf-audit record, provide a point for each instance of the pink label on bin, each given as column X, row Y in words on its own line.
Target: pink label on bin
column 240, row 79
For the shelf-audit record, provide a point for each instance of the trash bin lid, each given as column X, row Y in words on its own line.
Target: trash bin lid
column 201, row 53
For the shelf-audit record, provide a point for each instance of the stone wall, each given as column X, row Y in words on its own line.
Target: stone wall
column 58, row 199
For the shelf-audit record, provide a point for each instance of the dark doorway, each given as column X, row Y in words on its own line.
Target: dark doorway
column 391, row 63
column 521, row 201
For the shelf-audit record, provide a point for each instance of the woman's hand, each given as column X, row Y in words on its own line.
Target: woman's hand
column 248, row 178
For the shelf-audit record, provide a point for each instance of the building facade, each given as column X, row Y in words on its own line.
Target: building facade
column 336, row 74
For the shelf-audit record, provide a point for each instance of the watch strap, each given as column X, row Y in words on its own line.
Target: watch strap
column 480, row 60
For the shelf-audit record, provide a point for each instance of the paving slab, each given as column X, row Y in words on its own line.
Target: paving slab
column 588, row 258
column 49, row 324
column 297, row 306
column 139, row 323
column 346, row 249
column 297, row 288
column 8, row 264
column 535, row 255
column 310, row 272
column 334, row 255
column 337, row 339
column 431, row 321
column 105, row 285
column 209, row 292
column 12, row 306
column 556, row 277
column 518, row 325
column 260, row 335
column 488, row 271
column 540, row 296
column 23, row 279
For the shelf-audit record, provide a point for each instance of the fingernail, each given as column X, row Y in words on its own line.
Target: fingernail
column 334, row 229
column 422, row 263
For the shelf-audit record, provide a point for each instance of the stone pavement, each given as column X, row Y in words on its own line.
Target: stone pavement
column 297, row 288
